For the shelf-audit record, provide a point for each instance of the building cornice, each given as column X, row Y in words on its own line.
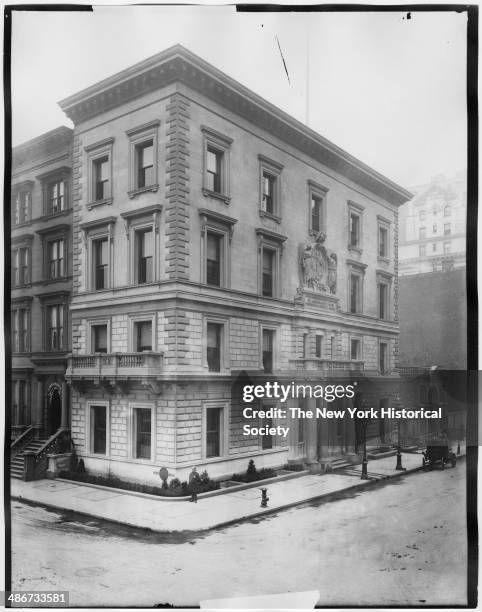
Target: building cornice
column 177, row 64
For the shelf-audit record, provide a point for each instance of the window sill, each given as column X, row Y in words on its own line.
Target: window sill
column 385, row 260
column 135, row 192
column 355, row 249
column 59, row 279
column 218, row 196
column 22, row 286
column 106, row 201
column 54, row 215
column 263, row 213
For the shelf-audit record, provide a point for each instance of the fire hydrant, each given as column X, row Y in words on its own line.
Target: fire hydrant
column 264, row 497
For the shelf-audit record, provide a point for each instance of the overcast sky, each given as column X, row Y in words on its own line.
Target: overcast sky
column 388, row 89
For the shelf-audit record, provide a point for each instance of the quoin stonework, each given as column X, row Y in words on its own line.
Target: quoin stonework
column 216, row 242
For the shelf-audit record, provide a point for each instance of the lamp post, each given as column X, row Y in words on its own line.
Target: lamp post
column 398, row 405
column 364, row 471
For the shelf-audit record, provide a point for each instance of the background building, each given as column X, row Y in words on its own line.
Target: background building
column 217, row 240
column 433, row 305
column 432, row 226
column 41, row 236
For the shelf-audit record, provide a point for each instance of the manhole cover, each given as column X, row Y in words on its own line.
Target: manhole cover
column 90, row 571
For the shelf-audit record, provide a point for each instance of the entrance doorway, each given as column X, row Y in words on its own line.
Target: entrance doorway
column 54, row 414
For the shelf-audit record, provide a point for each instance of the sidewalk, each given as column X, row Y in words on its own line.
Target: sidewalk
column 160, row 515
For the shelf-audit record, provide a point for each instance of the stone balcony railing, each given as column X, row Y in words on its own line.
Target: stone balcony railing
column 327, row 365
column 113, row 366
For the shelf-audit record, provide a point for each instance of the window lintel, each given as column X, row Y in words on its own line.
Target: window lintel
column 59, row 173
column 270, row 164
column 262, row 232
column 101, row 144
column 355, row 207
column 216, row 137
column 105, row 221
column 146, row 129
column 317, row 188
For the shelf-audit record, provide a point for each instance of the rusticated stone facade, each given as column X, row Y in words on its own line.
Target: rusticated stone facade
column 216, row 239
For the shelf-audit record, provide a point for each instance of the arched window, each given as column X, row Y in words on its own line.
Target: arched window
column 447, row 211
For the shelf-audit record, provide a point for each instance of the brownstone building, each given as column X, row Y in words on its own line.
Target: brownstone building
column 41, row 237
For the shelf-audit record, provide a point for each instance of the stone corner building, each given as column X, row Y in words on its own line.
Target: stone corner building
column 215, row 240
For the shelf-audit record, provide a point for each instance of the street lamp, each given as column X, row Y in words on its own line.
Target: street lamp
column 398, row 405
column 364, row 471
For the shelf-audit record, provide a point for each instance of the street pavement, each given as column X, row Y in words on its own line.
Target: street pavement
column 164, row 514
column 401, row 542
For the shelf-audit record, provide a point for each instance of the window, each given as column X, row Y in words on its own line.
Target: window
column 268, row 193
column 422, row 233
column 447, row 229
column 56, row 197
column 434, row 247
column 98, row 429
column 214, row 346
column 143, row 233
column 55, row 250
column 355, row 346
column 21, row 266
column 382, row 301
column 145, row 164
column 99, row 338
column 356, row 272
column 317, row 207
column 270, row 188
column 355, row 226
column 142, row 433
column 214, row 249
column 305, row 345
column 434, row 228
column 446, row 248
column 268, row 272
column 20, row 330
column 421, row 215
column 447, row 211
column 355, row 293
column 22, row 206
column 354, row 229
column 383, row 237
column 268, row 350
column 55, row 190
column 55, row 327
column 21, row 402
column 422, row 250
column 216, row 164
column 100, row 172
column 216, row 235
column 214, row 441
column 319, row 346
column 100, row 254
column 270, row 247
column 143, row 336
column 383, row 357
column 144, row 240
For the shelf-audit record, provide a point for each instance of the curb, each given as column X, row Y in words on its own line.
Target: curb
column 360, row 485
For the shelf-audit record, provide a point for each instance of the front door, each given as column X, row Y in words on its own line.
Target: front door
column 54, row 412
